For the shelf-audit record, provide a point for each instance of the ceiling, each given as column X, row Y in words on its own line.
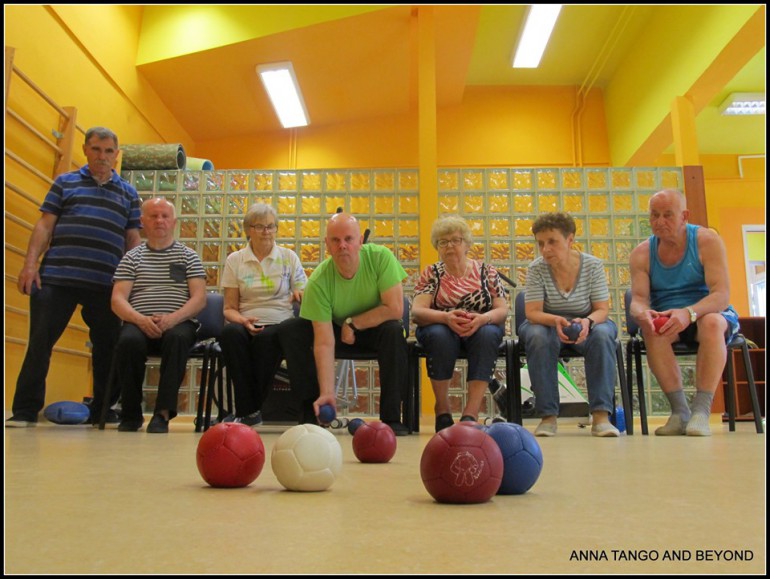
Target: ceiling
column 363, row 66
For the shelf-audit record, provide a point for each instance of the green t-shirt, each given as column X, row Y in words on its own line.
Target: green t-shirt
column 330, row 297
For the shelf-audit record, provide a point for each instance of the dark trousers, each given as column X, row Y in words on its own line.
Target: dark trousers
column 131, row 353
column 251, row 362
column 50, row 309
column 386, row 342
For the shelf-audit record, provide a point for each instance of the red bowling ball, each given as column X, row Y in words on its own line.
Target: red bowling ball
column 461, row 465
column 374, row 442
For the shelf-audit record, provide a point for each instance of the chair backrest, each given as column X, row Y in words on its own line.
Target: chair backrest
column 631, row 326
column 519, row 314
column 212, row 317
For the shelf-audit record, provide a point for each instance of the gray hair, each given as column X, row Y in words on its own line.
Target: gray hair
column 257, row 211
column 449, row 224
column 101, row 133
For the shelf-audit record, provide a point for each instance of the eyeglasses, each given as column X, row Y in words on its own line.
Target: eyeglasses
column 447, row 242
column 261, row 228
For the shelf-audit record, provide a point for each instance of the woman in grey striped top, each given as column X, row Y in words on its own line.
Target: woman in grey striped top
column 563, row 286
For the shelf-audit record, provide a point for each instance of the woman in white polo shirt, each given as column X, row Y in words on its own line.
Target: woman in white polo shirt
column 262, row 282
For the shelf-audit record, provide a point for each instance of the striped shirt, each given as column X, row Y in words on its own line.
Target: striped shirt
column 590, row 287
column 89, row 237
column 159, row 277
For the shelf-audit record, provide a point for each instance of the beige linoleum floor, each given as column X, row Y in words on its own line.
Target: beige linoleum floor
column 83, row 501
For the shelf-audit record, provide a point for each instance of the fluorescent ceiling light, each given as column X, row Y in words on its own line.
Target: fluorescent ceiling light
column 283, row 89
column 743, row 103
column 534, row 38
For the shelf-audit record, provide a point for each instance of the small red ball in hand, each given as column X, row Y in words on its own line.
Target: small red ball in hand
column 659, row 322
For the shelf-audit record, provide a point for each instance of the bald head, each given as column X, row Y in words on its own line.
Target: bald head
column 157, row 203
column 671, row 198
column 344, row 240
column 668, row 214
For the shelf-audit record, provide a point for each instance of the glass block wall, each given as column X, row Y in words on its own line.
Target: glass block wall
column 608, row 204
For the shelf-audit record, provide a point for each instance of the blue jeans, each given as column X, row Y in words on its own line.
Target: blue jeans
column 542, row 347
column 443, row 347
column 50, row 310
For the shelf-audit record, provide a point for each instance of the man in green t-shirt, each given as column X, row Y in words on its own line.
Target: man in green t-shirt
column 353, row 300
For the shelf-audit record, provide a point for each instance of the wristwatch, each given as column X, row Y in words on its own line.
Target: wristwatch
column 349, row 322
column 693, row 315
column 590, row 324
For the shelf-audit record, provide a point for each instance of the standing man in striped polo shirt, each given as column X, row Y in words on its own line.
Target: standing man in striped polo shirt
column 90, row 218
column 160, row 287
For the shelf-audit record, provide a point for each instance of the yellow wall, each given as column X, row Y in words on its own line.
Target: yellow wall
column 92, row 67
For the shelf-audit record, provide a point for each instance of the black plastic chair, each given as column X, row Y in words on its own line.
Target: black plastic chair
column 567, row 352
column 215, row 387
column 635, row 349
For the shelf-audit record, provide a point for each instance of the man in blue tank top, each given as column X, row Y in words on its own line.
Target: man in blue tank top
column 681, row 272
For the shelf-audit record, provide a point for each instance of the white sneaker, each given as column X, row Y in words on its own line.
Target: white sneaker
column 546, row 429
column 14, row 422
column 604, row 429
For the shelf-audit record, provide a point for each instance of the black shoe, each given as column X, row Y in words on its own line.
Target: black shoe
column 444, row 421
column 130, row 425
column 467, row 418
column 398, row 428
column 158, row 425
column 252, row 420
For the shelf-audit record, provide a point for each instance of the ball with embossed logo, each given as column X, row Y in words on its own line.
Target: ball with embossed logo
column 461, row 465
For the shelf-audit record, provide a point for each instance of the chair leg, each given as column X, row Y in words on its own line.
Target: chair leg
column 409, row 402
column 211, row 378
column 626, row 399
column 730, row 391
column 640, row 388
column 513, row 376
column 513, row 383
column 202, row 391
column 752, row 388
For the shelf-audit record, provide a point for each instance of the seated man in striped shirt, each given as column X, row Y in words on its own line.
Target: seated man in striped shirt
column 159, row 288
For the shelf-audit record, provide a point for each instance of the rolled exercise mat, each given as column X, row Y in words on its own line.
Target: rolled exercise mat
column 196, row 164
column 159, row 156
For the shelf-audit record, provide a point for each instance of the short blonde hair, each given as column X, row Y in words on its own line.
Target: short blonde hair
column 449, row 224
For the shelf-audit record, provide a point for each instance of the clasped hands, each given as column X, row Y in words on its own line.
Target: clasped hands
column 464, row 323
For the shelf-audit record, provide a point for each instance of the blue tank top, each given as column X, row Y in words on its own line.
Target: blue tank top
column 681, row 284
